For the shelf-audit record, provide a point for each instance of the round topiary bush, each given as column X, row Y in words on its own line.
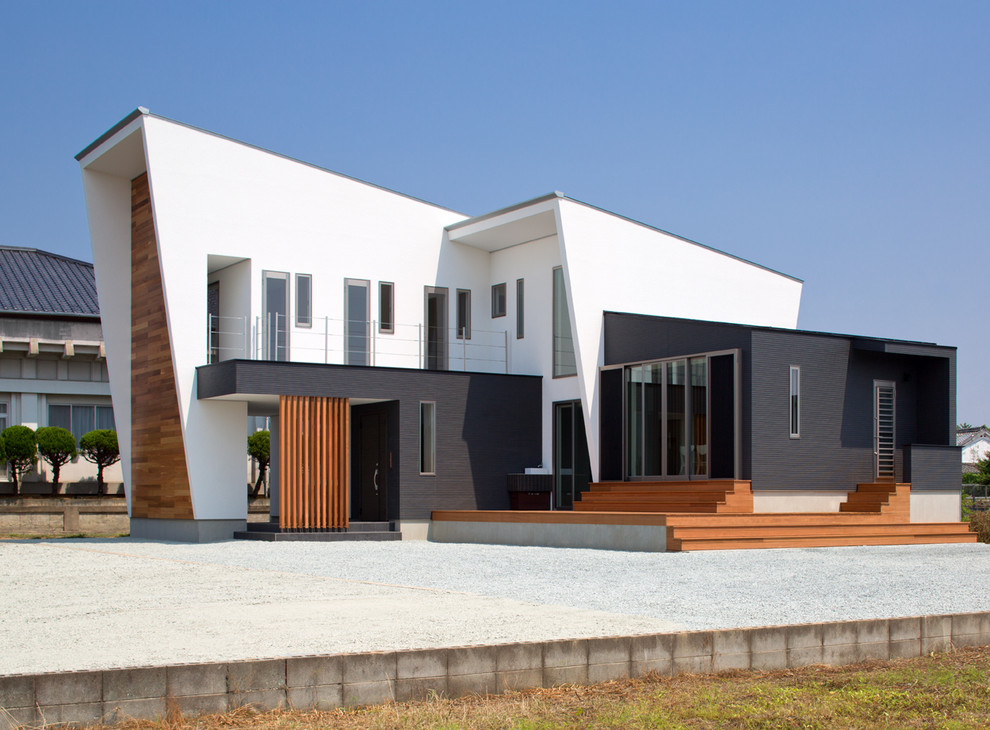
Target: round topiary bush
column 57, row 446
column 21, row 451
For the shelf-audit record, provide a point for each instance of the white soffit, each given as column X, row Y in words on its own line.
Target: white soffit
column 509, row 228
column 123, row 155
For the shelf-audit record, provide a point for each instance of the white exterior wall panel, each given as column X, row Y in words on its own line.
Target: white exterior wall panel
column 613, row 264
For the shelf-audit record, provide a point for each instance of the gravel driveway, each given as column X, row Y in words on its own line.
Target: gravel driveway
column 85, row 604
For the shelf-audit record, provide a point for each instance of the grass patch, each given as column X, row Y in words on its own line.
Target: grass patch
column 949, row 690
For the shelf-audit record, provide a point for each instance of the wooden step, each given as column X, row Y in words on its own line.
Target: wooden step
column 675, row 544
column 824, row 530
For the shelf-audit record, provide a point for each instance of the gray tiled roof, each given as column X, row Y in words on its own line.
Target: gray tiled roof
column 39, row 282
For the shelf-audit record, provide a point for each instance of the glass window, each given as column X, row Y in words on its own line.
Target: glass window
column 276, row 308
column 386, row 301
column 795, row 400
column 699, row 416
column 464, row 314
column 80, row 419
column 427, row 438
column 357, row 338
column 498, row 300
column 60, row 416
column 3, row 416
column 676, row 418
column 104, row 418
column 304, row 300
column 213, row 314
column 564, row 363
column 520, row 309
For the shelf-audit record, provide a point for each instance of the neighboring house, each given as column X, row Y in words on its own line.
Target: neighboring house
column 975, row 444
column 409, row 357
column 53, row 369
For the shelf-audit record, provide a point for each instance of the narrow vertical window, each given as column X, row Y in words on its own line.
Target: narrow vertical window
column 498, row 300
column 564, row 363
column 795, row 402
column 520, row 311
column 464, row 314
column 427, row 438
column 304, row 300
column 386, row 300
column 213, row 314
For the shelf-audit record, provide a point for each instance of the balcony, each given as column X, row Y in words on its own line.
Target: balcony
column 347, row 342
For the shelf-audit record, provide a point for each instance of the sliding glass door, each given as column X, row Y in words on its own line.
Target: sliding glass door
column 666, row 407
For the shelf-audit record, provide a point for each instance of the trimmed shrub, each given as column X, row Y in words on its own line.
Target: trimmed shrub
column 100, row 447
column 21, row 451
column 57, row 446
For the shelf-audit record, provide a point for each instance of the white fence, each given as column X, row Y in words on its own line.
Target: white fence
column 336, row 341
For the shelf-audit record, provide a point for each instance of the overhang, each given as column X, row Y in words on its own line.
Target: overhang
column 506, row 227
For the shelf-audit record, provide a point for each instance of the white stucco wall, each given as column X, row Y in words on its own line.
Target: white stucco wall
column 976, row 451
column 613, row 264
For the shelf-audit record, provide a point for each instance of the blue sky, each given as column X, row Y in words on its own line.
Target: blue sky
column 845, row 143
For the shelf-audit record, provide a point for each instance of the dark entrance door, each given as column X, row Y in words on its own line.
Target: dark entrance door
column 571, row 463
column 370, row 466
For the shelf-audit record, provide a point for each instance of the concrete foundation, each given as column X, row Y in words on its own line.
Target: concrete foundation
column 798, row 500
column 186, row 530
column 940, row 506
column 639, row 538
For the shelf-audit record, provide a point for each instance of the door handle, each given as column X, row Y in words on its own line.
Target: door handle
column 375, row 479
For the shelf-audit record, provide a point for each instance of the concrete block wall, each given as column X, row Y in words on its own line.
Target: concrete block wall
column 361, row 679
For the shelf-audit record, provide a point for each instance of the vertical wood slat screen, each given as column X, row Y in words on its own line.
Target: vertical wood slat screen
column 314, row 462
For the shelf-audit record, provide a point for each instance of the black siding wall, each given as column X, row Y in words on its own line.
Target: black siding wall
column 488, row 426
column 633, row 338
column 835, row 449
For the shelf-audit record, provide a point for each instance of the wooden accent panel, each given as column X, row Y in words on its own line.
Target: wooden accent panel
column 159, row 478
column 314, row 462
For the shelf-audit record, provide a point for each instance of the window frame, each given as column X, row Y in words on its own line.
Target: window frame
column 520, row 308
column 466, row 311
column 794, row 401
column 383, row 328
column 557, row 369
column 432, row 424
column 499, row 292
column 299, row 320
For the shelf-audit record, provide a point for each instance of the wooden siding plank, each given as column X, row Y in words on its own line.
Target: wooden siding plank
column 159, row 475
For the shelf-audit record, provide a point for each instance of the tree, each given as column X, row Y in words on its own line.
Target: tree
column 100, row 447
column 22, row 451
column 259, row 449
column 56, row 446
column 984, row 469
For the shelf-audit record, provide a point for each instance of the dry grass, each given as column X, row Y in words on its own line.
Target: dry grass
column 940, row 691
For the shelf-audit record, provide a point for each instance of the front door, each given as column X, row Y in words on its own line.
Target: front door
column 571, row 463
column 371, row 467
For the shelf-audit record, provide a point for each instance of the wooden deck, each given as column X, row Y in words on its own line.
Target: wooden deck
column 717, row 515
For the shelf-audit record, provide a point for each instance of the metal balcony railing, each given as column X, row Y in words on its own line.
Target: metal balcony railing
column 357, row 342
